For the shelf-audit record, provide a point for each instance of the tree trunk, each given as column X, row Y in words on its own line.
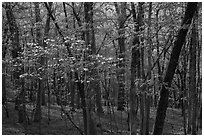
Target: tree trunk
column 96, row 82
column 4, row 48
column 78, row 100
column 142, row 90
column 148, row 96
column 72, row 90
column 121, row 13
column 46, row 33
column 22, row 107
column 135, row 71
column 89, row 40
column 192, row 79
column 49, row 100
column 4, row 92
column 4, row 85
column 158, row 44
column 16, row 49
column 65, row 13
column 133, row 96
column 164, row 93
column 37, row 116
column 80, row 86
column 199, row 78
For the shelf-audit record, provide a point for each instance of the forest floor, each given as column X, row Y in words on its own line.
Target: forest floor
column 61, row 126
column 106, row 124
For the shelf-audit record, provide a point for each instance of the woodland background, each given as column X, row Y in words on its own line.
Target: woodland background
column 101, row 68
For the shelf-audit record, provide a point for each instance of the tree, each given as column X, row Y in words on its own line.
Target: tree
column 4, row 51
column 89, row 40
column 148, row 96
column 108, row 59
column 192, row 80
column 95, row 75
column 121, row 16
column 135, row 69
column 37, row 116
column 164, row 93
column 16, row 50
column 46, row 33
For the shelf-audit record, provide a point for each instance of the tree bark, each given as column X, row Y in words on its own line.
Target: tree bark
column 47, row 25
column 89, row 40
column 135, row 71
column 4, row 48
column 80, row 86
column 192, row 80
column 142, row 91
column 148, row 96
column 164, row 93
column 72, row 89
column 65, row 13
column 4, row 66
column 121, row 13
column 37, row 116
column 158, row 44
column 96, row 82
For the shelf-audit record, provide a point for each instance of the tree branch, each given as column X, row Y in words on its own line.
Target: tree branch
column 58, row 29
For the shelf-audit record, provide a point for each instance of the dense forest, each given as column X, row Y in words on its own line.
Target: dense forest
column 101, row 68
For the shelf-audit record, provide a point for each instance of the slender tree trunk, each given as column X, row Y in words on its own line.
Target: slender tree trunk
column 4, row 85
column 78, row 100
column 49, row 100
column 65, row 13
column 4, row 91
column 135, row 71
column 121, row 13
column 89, row 39
column 142, row 90
column 133, row 97
column 164, row 93
column 72, row 90
column 96, row 82
column 4, row 96
column 4, row 48
column 22, row 107
column 46, row 33
column 47, row 26
column 183, row 75
column 199, row 76
column 72, row 83
column 37, row 116
column 148, row 97
column 80, row 86
column 32, row 39
column 183, row 89
column 192, row 80
column 78, row 19
column 158, row 44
